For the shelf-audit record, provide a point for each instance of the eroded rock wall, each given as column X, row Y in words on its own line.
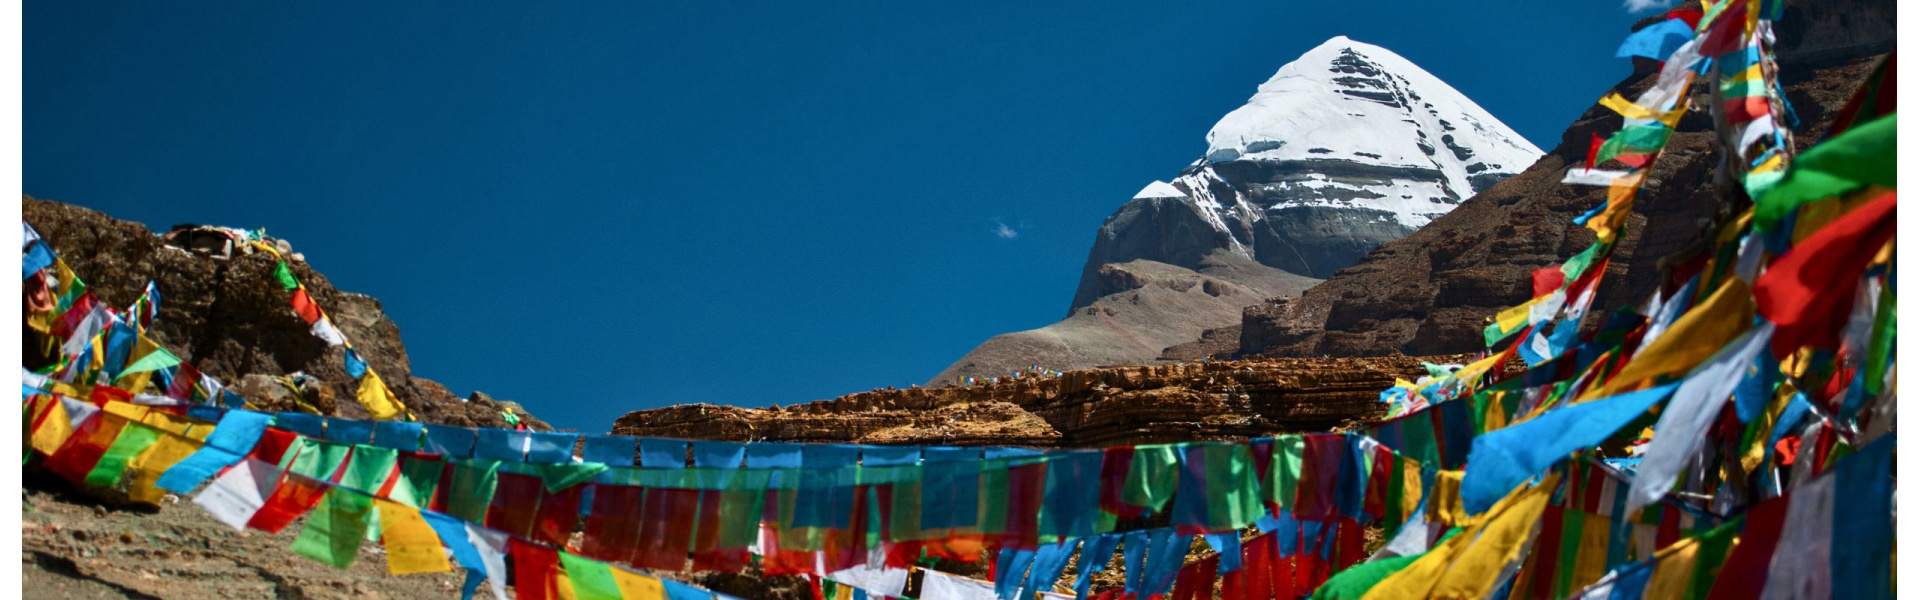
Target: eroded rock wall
column 1086, row 408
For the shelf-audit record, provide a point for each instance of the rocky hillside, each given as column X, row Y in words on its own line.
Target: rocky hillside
column 1343, row 149
column 1432, row 291
column 231, row 319
column 1093, row 407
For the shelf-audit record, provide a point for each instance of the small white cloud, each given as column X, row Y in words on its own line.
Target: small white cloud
column 1001, row 229
column 1643, row 5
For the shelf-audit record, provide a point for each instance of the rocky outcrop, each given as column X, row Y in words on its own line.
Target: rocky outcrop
column 1433, row 291
column 1093, row 407
column 231, row 319
column 1144, row 307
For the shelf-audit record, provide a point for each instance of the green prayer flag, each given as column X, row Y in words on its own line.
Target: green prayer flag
column 904, row 520
column 1714, row 547
column 1854, row 159
column 418, row 479
column 369, row 468
column 741, row 505
column 1232, row 498
column 1743, row 88
column 470, row 489
column 285, row 275
column 1577, row 264
column 1880, row 343
column 133, row 439
column 1152, row 478
column 1355, row 581
column 993, row 484
column 319, row 459
column 565, row 475
column 335, row 527
column 1644, row 139
column 158, row 359
column 1283, row 477
column 592, row 579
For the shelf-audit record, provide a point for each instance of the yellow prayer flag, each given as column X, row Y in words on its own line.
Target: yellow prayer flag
column 174, row 424
column 634, row 586
column 1590, row 563
column 136, row 381
column 1673, row 569
column 1620, row 194
column 127, row 410
column 412, row 546
column 1515, row 316
column 1497, row 542
column 55, row 427
column 1468, row 564
column 374, row 395
column 1410, row 480
column 1691, row 338
column 1443, row 502
column 155, row 460
column 1620, row 104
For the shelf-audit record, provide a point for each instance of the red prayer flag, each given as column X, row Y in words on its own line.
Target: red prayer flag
column 1744, row 574
column 1256, row 560
column 1233, row 585
column 1350, row 545
column 559, row 512
column 1282, row 575
column 103, row 393
column 83, row 449
column 273, row 445
column 293, row 497
column 666, row 529
column 1725, row 33
column 1320, row 476
column 1690, row 16
column 613, row 525
column 1113, row 478
column 303, row 304
column 1808, row 292
column 1593, row 150
column 1547, row 279
column 1026, row 484
column 536, row 570
column 516, row 504
column 1745, row 109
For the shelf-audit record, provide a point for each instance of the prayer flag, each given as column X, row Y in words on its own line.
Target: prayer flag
column 377, row 399
column 412, row 545
column 285, row 275
column 304, row 306
column 335, row 528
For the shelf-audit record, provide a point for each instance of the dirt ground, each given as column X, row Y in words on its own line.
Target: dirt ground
column 79, row 548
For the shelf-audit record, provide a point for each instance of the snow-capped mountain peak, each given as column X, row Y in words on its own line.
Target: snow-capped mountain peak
column 1351, row 102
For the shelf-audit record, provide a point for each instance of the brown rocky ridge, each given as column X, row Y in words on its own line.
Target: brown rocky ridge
column 230, row 318
column 1092, row 407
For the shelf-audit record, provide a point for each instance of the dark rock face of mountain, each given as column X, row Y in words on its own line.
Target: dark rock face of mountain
column 1431, row 292
column 231, row 319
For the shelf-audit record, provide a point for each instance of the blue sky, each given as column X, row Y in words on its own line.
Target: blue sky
column 595, row 207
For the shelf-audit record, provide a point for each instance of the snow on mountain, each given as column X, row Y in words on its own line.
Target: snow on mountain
column 1355, row 102
column 1159, row 189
